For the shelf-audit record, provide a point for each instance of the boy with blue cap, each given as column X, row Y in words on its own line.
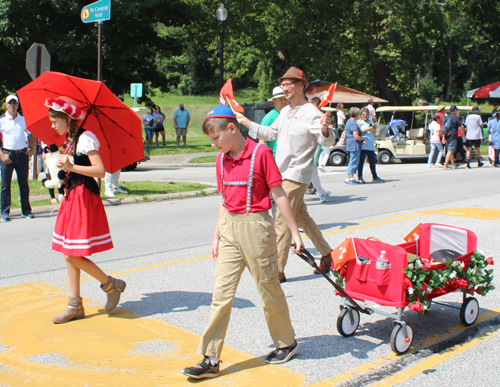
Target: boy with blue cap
column 245, row 237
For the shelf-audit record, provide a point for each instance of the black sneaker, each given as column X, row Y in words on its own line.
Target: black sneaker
column 361, row 181
column 282, row 355
column 203, row 370
column 480, row 164
column 29, row 216
column 378, row 180
column 6, row 219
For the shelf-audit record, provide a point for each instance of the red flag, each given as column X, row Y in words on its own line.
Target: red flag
column 414, row 234
column 226, row 94
column 343, row 253
column 328, row 96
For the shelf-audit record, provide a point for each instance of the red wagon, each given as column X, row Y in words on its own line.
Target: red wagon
column 390, row 284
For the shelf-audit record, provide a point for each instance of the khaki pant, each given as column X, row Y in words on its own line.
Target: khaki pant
column 295, row 193
column 246, row 240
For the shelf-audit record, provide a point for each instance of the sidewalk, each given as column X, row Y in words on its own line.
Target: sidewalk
column 178, row 160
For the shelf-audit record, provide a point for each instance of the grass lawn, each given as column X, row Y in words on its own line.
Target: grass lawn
column 195, row 145
column 39, row 195
column 205, row 159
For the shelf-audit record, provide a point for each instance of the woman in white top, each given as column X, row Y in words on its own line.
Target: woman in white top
column 436, row 143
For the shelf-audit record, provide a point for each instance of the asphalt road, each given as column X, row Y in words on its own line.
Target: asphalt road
column 160, row 250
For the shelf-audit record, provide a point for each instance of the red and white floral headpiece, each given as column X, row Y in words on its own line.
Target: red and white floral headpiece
column 67, row 106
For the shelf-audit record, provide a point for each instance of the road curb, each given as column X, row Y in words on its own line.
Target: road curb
column 127, row 200
column 181, row 165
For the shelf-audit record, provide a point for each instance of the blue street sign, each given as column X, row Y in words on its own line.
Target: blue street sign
column 96, row 12
column 136, row 90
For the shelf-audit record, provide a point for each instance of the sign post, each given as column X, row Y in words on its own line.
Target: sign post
column 97, row 13
column 37, row 62
column 135, row 92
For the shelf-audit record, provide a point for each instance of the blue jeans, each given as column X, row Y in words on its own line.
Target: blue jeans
column 352, row 167
column 371, row 158
column 20, row 163
column 434, row 146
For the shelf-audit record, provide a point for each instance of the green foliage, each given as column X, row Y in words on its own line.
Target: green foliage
column 381, row 48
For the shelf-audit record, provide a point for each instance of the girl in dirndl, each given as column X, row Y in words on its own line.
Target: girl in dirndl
column 82, row 226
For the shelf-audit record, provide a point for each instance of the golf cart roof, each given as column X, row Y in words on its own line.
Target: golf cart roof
column 430, row 108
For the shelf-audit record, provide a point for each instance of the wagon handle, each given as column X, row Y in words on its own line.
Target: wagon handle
column 307, row 257
column 374, row 238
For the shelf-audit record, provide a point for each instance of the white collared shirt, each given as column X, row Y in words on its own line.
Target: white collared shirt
column 13, row 132
column 297, row 132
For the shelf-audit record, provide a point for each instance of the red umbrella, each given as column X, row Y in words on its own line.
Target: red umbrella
column 116, row 126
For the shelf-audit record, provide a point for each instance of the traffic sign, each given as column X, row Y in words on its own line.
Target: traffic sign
column 136, row 90
column 37, row 60
column 96, row 12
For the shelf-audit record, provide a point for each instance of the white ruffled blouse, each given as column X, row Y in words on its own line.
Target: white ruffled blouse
column 87, row 142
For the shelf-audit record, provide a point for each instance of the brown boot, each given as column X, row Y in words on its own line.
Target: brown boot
column 114, row 288
column 74, row 311
column 325, row 264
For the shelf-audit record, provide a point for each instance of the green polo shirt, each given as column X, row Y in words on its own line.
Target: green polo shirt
column 268, row 119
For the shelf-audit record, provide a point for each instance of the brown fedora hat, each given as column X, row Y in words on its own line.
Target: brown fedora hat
column 294, row 72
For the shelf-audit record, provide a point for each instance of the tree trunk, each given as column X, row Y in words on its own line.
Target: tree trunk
column 450, row 74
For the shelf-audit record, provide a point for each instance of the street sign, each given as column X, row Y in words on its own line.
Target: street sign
column 96, row 12
column 135, row 92
column 37, row 60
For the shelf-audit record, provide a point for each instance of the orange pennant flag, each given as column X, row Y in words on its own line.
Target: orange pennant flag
column 226, row 94
column 343, row 253
column 414, row 234
column 327, row 99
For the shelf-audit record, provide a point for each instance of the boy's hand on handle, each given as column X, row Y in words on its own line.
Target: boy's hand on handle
column 298, row 244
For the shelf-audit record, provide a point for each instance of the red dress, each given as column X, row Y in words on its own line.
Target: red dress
column 82, row 225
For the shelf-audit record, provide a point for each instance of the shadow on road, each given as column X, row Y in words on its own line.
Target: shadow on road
column 176, row 301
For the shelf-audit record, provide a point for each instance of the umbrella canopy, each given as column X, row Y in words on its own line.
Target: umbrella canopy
column 116, row 126
column 489, row 91
column 342, row 94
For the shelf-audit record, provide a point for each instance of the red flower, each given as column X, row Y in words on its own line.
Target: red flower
column 424, row 287
column 438, row 292
column 428, row 264
column 416, row 307
column 343, row 271
column 489, row 261
column 478, row 290
column 337, row 293
column 407, row 284
column 462, row 283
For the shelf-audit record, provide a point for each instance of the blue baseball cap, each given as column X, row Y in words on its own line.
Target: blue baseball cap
column 220, row 111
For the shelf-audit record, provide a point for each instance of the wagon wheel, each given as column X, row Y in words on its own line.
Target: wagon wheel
column 345, row 326
column 373, row 238
column 469, row 311
column 399, row 343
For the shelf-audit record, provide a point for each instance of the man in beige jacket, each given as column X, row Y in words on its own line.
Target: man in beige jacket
column 298, row 129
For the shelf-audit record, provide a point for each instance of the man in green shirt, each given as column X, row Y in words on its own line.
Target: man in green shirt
column 279, row 102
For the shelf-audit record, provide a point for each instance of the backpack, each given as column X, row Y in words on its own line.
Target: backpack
column 447, row 129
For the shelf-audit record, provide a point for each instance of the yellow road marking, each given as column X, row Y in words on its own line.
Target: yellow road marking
column 433, row 361
column 103, row 350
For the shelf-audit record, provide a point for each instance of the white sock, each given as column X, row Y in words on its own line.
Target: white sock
column 213, row 360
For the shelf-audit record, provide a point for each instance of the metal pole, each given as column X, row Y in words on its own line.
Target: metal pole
column 99, row 52
column 33, row 139
column 221, row 54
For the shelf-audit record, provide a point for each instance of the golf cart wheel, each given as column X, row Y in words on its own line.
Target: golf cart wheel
column 337, row 159
column 345, row 326
column 459, row 157
column 399, row 343
column 469, row 311
column 384, row 157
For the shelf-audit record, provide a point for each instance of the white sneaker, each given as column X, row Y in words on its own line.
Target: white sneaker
column 325, row 196
column 118, row 189
column 430, row 165
column 439, row 164
column 109, row 193
column 322, row 169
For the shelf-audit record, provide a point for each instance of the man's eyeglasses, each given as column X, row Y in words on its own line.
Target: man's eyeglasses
column 12, row 102
column 287, row 84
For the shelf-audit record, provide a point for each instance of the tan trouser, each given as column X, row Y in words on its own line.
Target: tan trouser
column 246, row 240
column 295, row 193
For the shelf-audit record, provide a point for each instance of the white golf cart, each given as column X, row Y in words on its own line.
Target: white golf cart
column 396, row 141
